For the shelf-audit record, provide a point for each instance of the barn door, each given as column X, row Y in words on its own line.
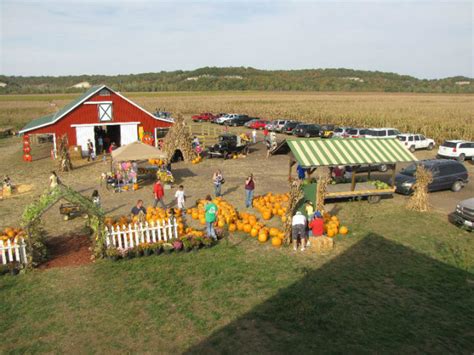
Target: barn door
column 82, row 135
column 128, row 133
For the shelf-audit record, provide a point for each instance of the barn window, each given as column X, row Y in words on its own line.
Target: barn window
column 105, row 112
column 104, row 92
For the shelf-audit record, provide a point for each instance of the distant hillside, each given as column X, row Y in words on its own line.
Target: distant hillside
column 241, row 78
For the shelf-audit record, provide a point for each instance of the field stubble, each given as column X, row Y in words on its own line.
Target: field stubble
column 438, row 116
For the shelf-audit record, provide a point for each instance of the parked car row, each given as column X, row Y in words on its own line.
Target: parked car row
column 450, row 149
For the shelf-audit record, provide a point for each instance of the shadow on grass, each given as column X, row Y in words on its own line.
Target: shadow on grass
column 377, row 296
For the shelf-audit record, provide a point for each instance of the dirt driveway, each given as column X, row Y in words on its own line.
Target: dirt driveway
column 271, row 175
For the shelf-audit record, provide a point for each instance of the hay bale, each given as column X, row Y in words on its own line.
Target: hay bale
column 22, row 188
column 419, row 200
column 321, row 245
column 75, row 152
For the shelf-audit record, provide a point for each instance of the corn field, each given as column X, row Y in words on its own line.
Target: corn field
column 435, row 115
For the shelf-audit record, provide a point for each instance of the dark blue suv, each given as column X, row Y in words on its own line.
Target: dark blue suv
column 447, row 174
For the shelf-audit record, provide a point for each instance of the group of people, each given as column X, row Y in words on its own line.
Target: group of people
column 303, row 226
column 91, row 151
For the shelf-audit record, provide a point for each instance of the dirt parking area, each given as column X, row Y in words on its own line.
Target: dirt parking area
column 270, row 175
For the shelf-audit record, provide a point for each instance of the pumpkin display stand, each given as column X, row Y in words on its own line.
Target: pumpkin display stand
column 17, row 190
column 321, row 245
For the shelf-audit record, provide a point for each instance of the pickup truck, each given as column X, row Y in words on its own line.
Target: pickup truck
column 464, row 214
column 228, row 144
column 205, row 116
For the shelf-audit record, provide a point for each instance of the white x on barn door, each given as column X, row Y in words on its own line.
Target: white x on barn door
column 105, row 112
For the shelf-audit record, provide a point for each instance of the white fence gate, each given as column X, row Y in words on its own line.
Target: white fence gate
column 16, row 251
column 132, row 235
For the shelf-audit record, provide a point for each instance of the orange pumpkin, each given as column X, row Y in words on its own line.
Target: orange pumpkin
column 331, row 233
column 343, row 230
column 273, row 232
column 254, row 232
column 276, row 242
column 262, row 237
column 267, row 215
column 232, row 227
column 202, row 221
column 220, row 223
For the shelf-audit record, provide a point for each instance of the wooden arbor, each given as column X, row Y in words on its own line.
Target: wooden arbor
column 31, row 221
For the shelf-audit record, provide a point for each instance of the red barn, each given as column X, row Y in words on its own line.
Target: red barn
column 101, row 115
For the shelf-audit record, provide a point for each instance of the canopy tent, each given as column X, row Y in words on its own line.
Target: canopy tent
column 137, row 151
column 310, row 153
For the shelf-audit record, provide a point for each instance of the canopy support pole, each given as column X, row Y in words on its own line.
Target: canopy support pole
column 394, row 168
column 353, row 182
column 292, row 162
column 368, row 173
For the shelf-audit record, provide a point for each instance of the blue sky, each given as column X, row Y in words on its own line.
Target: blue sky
column 426, row 39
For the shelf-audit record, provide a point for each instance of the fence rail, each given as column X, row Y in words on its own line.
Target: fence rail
column 134, row 234
column 13, row 251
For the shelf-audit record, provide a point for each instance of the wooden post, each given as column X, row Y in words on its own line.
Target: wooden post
column 368, row 173
column 289, row 169
column 353, row 183
column 394, row 169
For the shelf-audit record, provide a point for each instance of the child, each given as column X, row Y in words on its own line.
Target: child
column 180, row 197
column 96, row 198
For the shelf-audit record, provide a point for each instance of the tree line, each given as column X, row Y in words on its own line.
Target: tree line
column 242, row 78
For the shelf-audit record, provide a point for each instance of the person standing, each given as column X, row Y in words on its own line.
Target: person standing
column 100, row 144
column 254, row 136
column 298, row 229
column 90, row 150
column 210, row 216
column 138, row 208
column 96, row 198
column 218, row 180
column 53, row 180
column 249, row 190
column 180, row 198
column 158, row 194
column 301, row 172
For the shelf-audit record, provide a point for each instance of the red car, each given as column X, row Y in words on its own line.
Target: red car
column 205, row 116
column 259, row 124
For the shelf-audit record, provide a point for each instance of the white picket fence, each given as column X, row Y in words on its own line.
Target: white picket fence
column 16, row 251
column 137, row 233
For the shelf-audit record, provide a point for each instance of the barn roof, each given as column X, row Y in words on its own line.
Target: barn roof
column 52, row 118
column 348, row 151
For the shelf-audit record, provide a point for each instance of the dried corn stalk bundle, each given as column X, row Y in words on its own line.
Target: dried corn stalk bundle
column 419, row 200
column 63, row 154
column 179, row 138
column 323, row 176
column 296, row 194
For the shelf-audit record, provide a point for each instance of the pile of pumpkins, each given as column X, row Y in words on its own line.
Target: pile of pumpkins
column 10, row 234
column 245, row 222
column 270, row 205
column 239, row 156
column 197, row 160
column 332, row 226
column 158, row 162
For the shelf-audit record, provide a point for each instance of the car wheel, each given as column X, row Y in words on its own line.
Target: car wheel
column 457, row 186
column 461, row 157
column 307, row 135
column 383, row 168
column 430, row 147
column 412, row 149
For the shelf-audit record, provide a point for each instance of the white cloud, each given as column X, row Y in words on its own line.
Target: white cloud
column 425, row 39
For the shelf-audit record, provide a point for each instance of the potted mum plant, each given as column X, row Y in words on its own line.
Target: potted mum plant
column 112, row 253
column 178, row 245
column 187, row 243
column 207, row 242
column 157, row 248
column 168, row 248
column 197, row 243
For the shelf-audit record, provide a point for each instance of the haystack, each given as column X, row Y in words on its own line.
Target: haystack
column 419, row 200
column 179, row 138
column 296, row 194
column 321, row 245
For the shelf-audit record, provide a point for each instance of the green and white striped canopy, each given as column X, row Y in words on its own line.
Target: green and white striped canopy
column 348, row 151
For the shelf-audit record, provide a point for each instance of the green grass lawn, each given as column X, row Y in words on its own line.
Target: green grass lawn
column 401, row 282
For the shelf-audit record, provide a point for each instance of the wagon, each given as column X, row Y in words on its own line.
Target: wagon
column 362, row 155
column 70, row 210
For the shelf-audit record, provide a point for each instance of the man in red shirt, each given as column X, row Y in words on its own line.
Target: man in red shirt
column 158, row 194
column 316, row 225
